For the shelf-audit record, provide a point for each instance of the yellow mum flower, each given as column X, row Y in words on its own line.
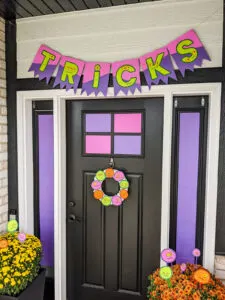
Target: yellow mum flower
column 19, row 262
column 13, row 282
column 6, row 280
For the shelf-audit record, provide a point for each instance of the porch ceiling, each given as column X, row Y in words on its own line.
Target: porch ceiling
column 10, row 9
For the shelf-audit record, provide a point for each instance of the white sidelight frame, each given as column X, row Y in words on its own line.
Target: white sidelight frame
column 59, row 97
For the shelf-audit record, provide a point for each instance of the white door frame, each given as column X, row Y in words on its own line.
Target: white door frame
column 59, row 97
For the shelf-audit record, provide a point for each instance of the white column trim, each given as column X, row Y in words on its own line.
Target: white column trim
column 60, row 196
column 59, row 97
column 166, row 166
column 212, row 179
column 25, row 164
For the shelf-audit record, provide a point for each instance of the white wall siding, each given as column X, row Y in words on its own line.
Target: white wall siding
column 121, row 32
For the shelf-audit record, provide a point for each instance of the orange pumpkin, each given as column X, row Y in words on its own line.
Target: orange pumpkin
column 109, row 173
column 3, row 244
column 98, row 194
column 124, row 194
column 202, row 276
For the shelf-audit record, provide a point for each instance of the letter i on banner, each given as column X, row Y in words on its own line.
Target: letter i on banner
column 126, row 76
column 188, row 51
column 96, row 78
column 45, row 62
column 69, row 73
column 157, row 65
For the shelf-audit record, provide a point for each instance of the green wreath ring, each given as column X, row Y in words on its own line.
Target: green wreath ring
column 99, row 194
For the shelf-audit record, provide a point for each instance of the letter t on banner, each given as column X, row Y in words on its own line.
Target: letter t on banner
column 157, row 65
column 69, row 73
column 126, row 76
column 45, row 62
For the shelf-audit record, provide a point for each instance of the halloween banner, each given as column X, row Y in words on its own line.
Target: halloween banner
column 45, row 62
column 69, row 73
column 186, row 52
column 157, row 65
column 96, row 78
column 126, row 76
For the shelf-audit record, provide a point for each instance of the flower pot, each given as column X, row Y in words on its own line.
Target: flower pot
column 34, row 291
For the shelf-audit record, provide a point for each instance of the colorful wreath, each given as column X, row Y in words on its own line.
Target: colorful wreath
column 98, row 192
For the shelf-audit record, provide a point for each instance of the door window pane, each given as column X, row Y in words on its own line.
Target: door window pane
column 129, row 122
column 125, row 133
column 98, row 122
column 127, row 144
column 98, row 144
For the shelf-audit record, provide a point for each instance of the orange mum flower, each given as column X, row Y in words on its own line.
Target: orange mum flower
column 184, row 286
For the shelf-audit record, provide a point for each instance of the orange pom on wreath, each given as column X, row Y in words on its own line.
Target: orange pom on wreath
column 109, row 173
column 124, row 194
column 98, row 194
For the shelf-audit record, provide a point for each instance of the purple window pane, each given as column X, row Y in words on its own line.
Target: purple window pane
column 128, row 123
column 130, row 145
column 98, row 122
column 187, row 185
column 98, row 144
column 46, row 187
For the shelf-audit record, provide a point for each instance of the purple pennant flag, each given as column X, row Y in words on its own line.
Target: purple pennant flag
column 157, row 65
column 96, row 78
column 188, row 51
column 126, row 76
column 69, row 73
column 45, row 62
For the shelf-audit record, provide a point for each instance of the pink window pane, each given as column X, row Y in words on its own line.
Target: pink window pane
column 98, row 144
column 129, row 123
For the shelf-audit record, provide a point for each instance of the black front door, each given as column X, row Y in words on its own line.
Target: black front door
column 111, row 250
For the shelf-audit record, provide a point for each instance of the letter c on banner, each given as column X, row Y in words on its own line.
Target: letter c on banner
column 120, row 76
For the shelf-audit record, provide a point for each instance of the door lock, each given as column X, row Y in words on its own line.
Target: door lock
column 71, row 204
column 72, row 218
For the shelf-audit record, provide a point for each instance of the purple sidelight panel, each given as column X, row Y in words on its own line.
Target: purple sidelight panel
column 98, row 122
column 46, row 187
column 127, row 144
column 187, row 185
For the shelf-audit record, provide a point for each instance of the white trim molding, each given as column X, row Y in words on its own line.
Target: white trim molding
column 59, row 97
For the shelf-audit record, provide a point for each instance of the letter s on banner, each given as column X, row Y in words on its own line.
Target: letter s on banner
column 188, row 51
